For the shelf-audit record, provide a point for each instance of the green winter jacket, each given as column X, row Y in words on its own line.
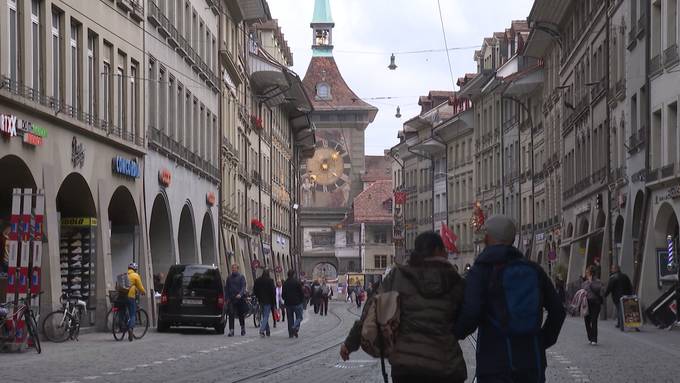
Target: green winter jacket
column 430, row 298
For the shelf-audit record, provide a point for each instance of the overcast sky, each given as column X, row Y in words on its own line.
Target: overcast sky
column 386, row 26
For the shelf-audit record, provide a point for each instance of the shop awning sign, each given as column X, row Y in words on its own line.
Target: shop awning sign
column 164, row 177
column 210, row 198
column 125, row 167
column 11, row 126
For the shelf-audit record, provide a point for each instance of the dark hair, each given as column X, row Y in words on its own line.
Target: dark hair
column 592, row 270
column 291, row 273
column 425, row 245
column 265, row 273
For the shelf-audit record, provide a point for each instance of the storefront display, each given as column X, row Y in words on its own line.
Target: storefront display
column 77, row 256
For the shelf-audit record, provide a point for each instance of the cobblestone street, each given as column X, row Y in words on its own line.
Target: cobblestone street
column 200, row 356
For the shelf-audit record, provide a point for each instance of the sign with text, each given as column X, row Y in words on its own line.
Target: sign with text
column 125, row 167
column 632, row 315
column 210, row 198
column 12, row 126
column 164, row 177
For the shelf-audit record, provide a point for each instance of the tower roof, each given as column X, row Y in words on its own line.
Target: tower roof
column 322, row 12
column 342, row 98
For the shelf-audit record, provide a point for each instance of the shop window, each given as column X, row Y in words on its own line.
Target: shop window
column 380, row 261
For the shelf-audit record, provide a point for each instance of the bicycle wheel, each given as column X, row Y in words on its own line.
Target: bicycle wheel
column 32, row 329
column 119, row 325
column 56, row 326
column 109, row 319
column 141, row 324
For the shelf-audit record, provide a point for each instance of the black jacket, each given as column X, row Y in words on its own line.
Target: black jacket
column 265, row 290
column 292, row 292
column 492, row 351
column 618, row 286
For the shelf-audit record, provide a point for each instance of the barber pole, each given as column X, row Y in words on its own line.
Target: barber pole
column 35, row 280
column 671, row 253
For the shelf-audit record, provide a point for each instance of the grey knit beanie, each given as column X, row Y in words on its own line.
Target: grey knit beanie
column 501, row 228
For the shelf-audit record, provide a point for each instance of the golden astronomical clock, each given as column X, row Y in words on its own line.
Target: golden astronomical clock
column 330, row 167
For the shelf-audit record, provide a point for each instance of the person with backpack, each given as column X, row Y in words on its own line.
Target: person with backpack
column 265, row 292
column 593, row 287
column 307, row 292
column 132, row 285
column 505, row 295
column 618, row 286
column 235, row 291
column 316, row 296
column 293, row 297
column 423, row 346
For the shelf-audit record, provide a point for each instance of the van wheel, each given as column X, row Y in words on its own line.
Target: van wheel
column 219, row 329
column 163, row 326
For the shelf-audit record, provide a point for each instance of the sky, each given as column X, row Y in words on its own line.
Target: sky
column 368, row 31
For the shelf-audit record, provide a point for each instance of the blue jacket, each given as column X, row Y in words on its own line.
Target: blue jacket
column 236, row 284
column 492, row 346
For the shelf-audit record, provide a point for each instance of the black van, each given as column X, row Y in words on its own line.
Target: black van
column 192, row 296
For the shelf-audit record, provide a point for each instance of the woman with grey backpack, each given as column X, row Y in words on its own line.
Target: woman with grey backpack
column 593, row 288
column 430, row 292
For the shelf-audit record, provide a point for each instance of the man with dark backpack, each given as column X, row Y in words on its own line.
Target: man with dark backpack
column 505, row 295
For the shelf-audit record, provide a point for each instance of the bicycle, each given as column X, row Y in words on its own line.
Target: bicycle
column 8, row 331
column 64, row 323
column 254, row 309
column 120, row 318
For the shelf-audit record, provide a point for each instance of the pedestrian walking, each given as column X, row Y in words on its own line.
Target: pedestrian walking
column 505, row 295
column 235, row 291
column 431, row 292
column 265, row 292
column 358, row 294
column 593, row 287
column 293, row 297
column 325, row 295
column 307, row 291
column 316, row 296
column 618, row 286
column 280, row 308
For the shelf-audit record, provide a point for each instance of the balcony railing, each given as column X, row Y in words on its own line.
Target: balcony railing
column 632, row 35
column 670, row 56
column 655, row 65
column 652, row 175
column 137, row 12
column 172, row 148
column 667, row 171
column 641, row 24
column 62, row 109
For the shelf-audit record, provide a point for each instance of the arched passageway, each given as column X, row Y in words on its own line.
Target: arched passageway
column 124, row 227
column 207, row 241
column 160, row 239
column 186, row 237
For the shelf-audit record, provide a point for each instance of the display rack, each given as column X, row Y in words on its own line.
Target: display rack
column 77, row 257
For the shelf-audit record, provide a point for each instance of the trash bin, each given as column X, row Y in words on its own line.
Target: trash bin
column 662, row 313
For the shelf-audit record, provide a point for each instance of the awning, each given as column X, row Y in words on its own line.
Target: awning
column 429, row 146
column 525, row 84
column 474, row 87
column 253, row 10
column 582, row 237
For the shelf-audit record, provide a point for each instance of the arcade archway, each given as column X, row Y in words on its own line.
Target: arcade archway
column 186, row 237
column 207, row 241
column 160, row 238
column 16, row 174
column 124, row 227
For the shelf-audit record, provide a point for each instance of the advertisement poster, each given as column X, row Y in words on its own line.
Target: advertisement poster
column 632, row 316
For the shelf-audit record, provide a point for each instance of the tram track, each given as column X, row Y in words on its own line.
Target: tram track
column 296, row 362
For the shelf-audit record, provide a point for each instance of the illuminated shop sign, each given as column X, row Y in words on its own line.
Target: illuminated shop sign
column 11, row 126
column 164, row 177
column 125, row 167
column 210, row 198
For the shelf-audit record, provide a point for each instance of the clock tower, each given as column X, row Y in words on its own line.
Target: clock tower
column 332, row 178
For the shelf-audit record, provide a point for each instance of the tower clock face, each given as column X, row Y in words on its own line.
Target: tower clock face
column 330, row 167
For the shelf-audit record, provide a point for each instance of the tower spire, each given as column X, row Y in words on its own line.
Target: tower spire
column 322, row 27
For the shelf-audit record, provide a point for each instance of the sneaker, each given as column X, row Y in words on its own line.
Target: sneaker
column 593, row 343
column 63, row 244
column 64, row 280
column 77, row 250
column 64, row 272
column 295, row 332
column 77, row 236
column 76, row 243
column 76, row 280
column 86, row 272
column 76, row 258
column 75, row 286
column 86, row 266
column 130, row 335
column 63, row 251
column 64, row 287
column 77, row 265
column 231, row 333
column 268, row 333
column 243, row 331
column 76, row 294
column 262, row 334
column 64, row 265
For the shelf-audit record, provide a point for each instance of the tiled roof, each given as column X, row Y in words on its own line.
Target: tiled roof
column 377, row 168
column 325, row 70
column 370, row 206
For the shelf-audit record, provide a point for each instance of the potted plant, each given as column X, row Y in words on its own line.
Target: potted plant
column 257, row 226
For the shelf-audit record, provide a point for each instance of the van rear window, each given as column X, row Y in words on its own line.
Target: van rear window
column 193, row 278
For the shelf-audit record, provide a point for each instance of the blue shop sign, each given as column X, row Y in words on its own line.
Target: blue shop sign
column 125, row 167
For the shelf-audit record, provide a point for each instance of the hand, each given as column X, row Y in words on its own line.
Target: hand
column 344, row 352
column 238, row 296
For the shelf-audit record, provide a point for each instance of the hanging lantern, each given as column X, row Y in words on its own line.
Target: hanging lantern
column 398, row 115
column 392, row 65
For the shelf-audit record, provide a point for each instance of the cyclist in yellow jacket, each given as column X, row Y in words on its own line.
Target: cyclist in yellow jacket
column 135, row 286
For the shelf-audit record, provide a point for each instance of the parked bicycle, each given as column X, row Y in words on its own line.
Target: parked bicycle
column 64, row 324
column 120, row 319
column 254, row 309
column 8, row 330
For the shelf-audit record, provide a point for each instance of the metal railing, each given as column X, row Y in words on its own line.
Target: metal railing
column 667, row 171
column 632, row 34
column 641, row 24
column 61, row 109
column 670, row 56
column 655, row 65
column 165, row 143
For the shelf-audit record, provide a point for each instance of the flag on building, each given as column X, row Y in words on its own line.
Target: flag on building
column 449, row 238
